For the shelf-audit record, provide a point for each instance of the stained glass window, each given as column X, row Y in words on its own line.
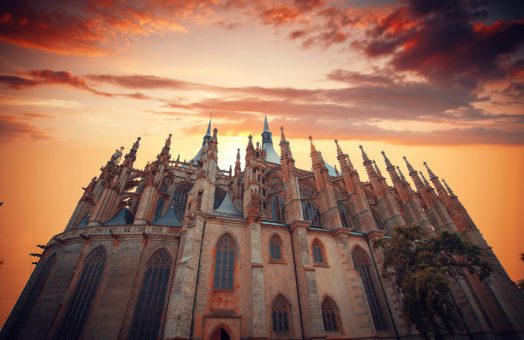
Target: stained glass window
column 311, row 213
column 318, row 253
column 84, row 295
column 329, row 315
column 151, row 300
column 280, row 315
column 344, row 215
column 224, row 263
column 275, row 248
column 180, row 199
column 277, row 208
column 362, row 265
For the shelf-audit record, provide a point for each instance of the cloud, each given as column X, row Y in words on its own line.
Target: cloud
column 20, row 127
column 49, row 77
column 446, row 41
column 91, row 27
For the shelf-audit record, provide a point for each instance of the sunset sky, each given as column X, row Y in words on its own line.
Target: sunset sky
column 437, row 81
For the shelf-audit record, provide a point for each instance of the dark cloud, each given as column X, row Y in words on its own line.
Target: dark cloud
column 446, row 41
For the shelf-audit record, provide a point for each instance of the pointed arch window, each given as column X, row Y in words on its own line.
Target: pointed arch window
column 180, row 199
column 280, row 315
column 220, row 194
column 275, row 248
column 34, row 293
column 84, row 294
column 344, row 215
column 330, row 315
column 151, row 300
column 317, row 248
column 159, row 208
column 311, row 213
column 277, row 209
column 224, row 263
column 377, row 219
column 362, row 264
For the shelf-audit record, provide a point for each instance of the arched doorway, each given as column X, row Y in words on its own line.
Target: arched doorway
column 220, row 334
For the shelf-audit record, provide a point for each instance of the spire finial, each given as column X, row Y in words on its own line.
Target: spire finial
column 377, row 170
column 401, row 174
column 386, row 160
column 431, row 173
column 208, row 131
column 339, row 150
column 130, row 158
column 451, row 193
column 313, row 149
column 266, row 125
column 282, row 135
column 364, row 155
column 408, row 165
column 426, row 183
column 238, row 154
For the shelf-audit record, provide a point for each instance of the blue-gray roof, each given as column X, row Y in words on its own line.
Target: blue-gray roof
column 227, row 208
column 122, row 218
column 169, row 219
column 271, row 154
column 331, row 170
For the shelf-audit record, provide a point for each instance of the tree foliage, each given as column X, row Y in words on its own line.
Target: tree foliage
column 421, row 268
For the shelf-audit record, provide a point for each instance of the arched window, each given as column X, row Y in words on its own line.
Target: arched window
column 219, row 197
column 159, row 207
column 311, row 213
column 377, row 219
column 280, row 315
column 329, row 315
column 224, row 263
column 318, row 253
column 277, row 208
column 34, row 293
column 180, row 199
column 344, row 215
column 275, row 248
column 84, row 294
column 151, row 300
column 362, row 265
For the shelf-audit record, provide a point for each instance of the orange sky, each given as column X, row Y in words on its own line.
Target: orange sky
column 78, row 81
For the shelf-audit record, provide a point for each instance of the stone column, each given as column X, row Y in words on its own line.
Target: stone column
column 258, row 321
column 313, row 325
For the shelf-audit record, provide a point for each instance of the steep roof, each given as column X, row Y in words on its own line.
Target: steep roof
column 169, row 219
column 122, row 218
column 227, row 208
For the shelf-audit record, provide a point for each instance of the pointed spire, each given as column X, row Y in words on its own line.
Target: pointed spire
column 208, row 131
column 377, row 170
column 431, row 173
column 164, row 155
column 451, row 193
column 282, row 135
column 215, row 132
column 266, row 125
column 364, row 155
column 313, row 149
column 386, row 160
column 238, row 155
column 401, row 174
column 339, row 150
column 426, row 183
column 408, row 165
column 237, row 164
column 250, row 142
column 115, row 158
column 130, row 158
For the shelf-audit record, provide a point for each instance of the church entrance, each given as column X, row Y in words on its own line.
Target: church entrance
column 220, row 334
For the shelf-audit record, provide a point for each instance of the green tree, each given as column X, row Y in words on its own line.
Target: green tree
column 421, row 268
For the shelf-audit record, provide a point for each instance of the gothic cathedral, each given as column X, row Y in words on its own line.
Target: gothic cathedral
column 185, row 250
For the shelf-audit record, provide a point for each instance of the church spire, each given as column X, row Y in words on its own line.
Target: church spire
column 237, row 164
column 408, row 165
column 401, row 174
column 431, row 174
column 387, row 161
column 164, row 155
column 266, row 125
column 130, row 158
column 364, row 155
column 451, row 193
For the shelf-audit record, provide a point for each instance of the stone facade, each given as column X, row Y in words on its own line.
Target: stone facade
column 185, row 250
